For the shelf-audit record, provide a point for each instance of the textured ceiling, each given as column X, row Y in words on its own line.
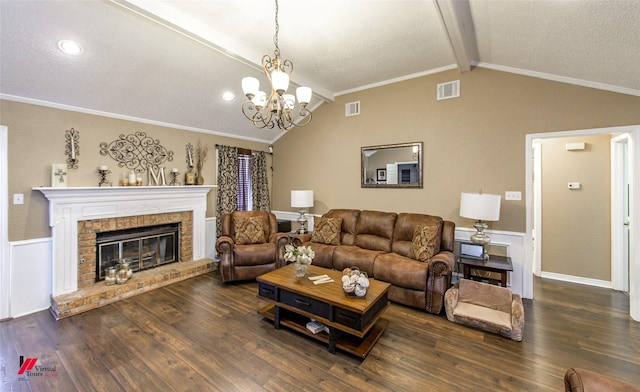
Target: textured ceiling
column 168, row 62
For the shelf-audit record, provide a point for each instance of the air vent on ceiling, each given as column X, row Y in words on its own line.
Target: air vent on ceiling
column 352, row 109
column 448, row 90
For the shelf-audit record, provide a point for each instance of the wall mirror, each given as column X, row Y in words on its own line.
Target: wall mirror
column 391, row 166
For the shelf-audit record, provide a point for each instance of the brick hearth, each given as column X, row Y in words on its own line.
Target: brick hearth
column 100, row 294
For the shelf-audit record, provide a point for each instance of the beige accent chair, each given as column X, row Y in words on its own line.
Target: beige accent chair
column 490, row 308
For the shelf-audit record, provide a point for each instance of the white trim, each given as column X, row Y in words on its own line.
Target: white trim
column 558, row 78
column 124, row 117
column 576, row 279
column 634, row 253
column 619, row 268
column 396, row 80
column 536, row 233
column 5, row 263
column 634, row 234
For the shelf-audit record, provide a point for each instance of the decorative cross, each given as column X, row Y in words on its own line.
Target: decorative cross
column 60, row 173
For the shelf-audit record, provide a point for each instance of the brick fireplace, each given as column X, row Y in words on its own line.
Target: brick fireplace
column 77, row 214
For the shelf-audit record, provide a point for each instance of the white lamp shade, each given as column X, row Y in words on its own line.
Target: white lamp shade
column 250, row 85
column 280, row 81
column 304, row 94
column 481, row 206
column 260, row 99
column 301, row 199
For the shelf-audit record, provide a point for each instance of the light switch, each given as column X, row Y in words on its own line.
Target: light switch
column 18, row 198
column 574, row 185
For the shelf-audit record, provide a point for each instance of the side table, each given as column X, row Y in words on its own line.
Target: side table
column 499, row 264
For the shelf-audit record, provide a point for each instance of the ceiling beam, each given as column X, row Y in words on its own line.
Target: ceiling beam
column 457, row 23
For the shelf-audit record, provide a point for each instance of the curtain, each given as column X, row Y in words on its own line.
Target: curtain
column 227, row 192
column 260, row 182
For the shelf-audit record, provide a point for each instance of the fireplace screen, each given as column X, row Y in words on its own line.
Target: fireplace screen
column 142, row 248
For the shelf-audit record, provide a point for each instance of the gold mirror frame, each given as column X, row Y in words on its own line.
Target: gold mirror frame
column 376, row 163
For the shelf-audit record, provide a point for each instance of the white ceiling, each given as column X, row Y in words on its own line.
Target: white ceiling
column 168, row 62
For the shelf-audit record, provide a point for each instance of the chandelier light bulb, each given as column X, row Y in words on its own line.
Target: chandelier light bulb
column 280, row 81
column 259, row 99
column 304, row 95
column 250, row 86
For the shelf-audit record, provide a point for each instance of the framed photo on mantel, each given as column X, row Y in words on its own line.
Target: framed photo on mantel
column 381, row 175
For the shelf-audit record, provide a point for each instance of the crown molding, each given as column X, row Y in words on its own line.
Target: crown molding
column 78, row 109
column 558, row 78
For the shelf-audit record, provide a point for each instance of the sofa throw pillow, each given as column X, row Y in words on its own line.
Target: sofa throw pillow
column 327, row 231
column 248, row 231
column 423, row 246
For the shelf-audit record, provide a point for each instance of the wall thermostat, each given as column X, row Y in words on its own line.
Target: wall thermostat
column 574, row 185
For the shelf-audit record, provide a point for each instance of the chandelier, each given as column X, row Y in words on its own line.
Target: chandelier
column 278, row 109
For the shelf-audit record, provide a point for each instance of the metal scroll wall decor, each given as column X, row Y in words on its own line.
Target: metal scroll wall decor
column 137, row 152
column 72, row 147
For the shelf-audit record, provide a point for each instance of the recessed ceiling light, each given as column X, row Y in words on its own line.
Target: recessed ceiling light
column 228, row 96
column 70, row 47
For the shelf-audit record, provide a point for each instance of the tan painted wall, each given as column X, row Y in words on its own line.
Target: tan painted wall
column 576, row 230
column 36, row 140
column 472, row 142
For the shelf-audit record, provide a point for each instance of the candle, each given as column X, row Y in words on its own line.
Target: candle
column 174, row 170
column 104, row 168
column 73, row 149
column 190, row 160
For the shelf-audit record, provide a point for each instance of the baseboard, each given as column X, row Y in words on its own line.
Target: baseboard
column 576, row 279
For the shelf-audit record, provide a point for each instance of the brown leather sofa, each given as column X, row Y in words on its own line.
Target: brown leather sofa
column 581, row 380
column 380, row 243
column 250, row 245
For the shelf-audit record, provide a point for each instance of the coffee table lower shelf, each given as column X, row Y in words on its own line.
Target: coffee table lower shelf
column 345, row 342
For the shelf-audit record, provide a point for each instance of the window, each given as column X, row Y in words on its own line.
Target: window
column 245, row 194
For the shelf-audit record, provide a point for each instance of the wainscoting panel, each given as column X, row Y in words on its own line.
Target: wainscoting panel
column 210, row 238
column 30, row 262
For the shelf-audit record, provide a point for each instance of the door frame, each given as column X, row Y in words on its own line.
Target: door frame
column 634, row 251
column 619, row 268
column 5, row 263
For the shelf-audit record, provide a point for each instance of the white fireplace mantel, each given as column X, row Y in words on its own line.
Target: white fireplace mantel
column 68, row 206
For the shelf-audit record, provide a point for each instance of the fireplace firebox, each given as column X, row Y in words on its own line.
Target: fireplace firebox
column 143, row 247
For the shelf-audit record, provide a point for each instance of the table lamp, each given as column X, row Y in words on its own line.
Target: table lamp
column 483, row 207
column 302, row 200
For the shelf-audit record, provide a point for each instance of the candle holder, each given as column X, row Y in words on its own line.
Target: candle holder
column 174, row 178
column 72, row 147
column 103, row 177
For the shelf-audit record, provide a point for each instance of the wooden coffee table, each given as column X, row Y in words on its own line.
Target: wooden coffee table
column 355, row 324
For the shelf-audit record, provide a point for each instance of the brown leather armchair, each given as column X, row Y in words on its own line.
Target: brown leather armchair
column 250, row 245
column 581, row 380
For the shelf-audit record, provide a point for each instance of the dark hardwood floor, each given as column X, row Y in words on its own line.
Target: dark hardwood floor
column 202, row 335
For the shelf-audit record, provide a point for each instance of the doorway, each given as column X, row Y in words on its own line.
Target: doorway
column 533, row 229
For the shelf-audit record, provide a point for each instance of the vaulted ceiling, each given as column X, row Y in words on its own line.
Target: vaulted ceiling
column 169, row 62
